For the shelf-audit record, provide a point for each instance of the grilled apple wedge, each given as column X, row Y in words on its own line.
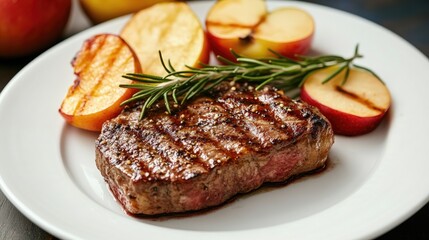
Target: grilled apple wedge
column 95, row 95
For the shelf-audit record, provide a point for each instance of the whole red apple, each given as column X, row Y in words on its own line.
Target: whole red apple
column 29, row 26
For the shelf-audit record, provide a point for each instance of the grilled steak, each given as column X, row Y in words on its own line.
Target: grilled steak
column 229, row 141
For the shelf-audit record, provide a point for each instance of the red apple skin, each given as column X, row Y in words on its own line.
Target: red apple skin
column 344, row 123
column 291, row 49
column 30, row 26
column 218, row 46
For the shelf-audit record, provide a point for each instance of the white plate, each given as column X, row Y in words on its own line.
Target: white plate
column 377, row 181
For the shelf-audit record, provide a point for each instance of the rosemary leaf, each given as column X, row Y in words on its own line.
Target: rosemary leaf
column 139, row 76
column 167, row 104
column 335, row 73
column 193, row 90
column 163, row 63
column 173, row 94
column 171, row 66
column 264, row 83
column 370, row 71
column 144, row 107
column 346, row 76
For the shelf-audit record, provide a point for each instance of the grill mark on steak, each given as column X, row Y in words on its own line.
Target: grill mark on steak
column 174, row 160
column 293, row 120
column 195, row 141
column 131, row 147
column 254, row 116
column 220, row 126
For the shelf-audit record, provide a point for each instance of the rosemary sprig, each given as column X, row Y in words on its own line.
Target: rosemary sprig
column 281, row 72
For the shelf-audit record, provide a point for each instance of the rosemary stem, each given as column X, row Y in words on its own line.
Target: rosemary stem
column 281, row 72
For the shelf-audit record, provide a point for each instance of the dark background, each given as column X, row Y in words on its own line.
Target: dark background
column 408, row 19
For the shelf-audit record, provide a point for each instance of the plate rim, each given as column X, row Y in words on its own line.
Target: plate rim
column 43, row 223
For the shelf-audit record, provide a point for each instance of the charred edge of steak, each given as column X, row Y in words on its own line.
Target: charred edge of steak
column 230, row 141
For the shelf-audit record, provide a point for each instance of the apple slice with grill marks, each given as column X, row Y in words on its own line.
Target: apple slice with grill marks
column 95, row 95
column 353, row 108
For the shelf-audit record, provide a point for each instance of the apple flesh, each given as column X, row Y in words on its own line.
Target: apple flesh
column 102, row 10
column 354, row 108
column 27, row 27
column 171, row 28
column 250, row 30
column 95, row 95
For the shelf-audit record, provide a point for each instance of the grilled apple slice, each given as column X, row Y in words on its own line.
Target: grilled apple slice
column 355, row 108
column 171, row 28
column 95, row 95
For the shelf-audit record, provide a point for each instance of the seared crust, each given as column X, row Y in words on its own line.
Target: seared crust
column 230, row 141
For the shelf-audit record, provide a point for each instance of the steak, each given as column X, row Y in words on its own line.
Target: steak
column 228, row 141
